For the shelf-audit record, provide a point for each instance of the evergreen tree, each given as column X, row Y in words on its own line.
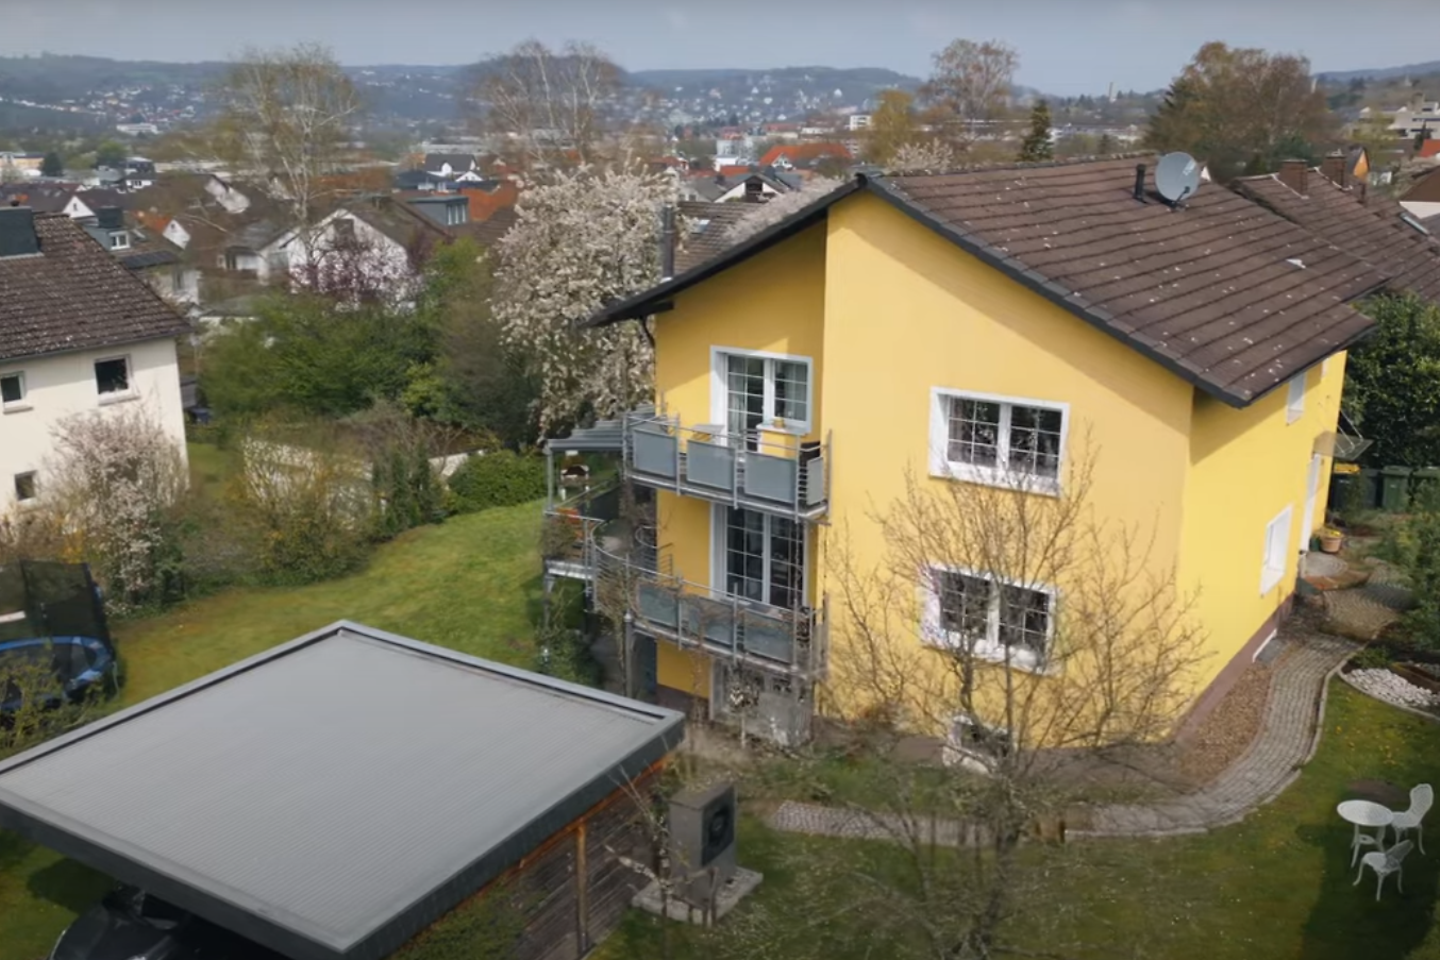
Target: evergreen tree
column 1106, row 145
column 52, row 165
column 1037, row 145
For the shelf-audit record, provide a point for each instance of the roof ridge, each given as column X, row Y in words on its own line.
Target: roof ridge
column 988, row 165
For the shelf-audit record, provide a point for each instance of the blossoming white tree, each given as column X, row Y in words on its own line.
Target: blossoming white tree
column 581, row 241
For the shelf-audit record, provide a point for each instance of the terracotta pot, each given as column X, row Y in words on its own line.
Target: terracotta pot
column 1331, row 544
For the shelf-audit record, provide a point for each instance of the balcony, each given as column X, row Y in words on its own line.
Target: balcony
column 765, row 470
column 587, row 539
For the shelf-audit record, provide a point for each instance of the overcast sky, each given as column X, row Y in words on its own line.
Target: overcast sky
column 1066, row 46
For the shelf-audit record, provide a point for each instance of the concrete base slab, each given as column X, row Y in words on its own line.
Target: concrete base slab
column 737, row 888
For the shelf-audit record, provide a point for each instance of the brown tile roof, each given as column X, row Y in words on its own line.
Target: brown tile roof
column 75, row 296
column 1216, row 291
column 1425, row 188
column 1370, row 229
column 709, row 226
column 487, row 233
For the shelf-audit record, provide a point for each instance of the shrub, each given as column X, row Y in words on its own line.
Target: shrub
column 1372, row 658
column 497, row 479
column 307, row 509
column 1418, row 547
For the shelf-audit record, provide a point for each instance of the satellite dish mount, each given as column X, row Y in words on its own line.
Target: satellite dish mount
column 1177, row 177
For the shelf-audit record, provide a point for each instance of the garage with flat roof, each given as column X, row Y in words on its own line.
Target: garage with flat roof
column 335, row 795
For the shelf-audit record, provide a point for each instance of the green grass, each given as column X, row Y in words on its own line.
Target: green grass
column 471, row 584
column 1277, row 885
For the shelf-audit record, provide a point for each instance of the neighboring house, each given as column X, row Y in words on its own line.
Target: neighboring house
column 86, row 204
column 488, row 232
column 738, row 183
column 40, row 197
column 78, row 333
column 371, row 246
column 490, row 196
column 255, row 250
column 445, row 209
column 26, row 163
column 1423, row 196
column 448, row 165
column 1333, row 205
column 790, row 156
column 707, row 227
column 975, row 328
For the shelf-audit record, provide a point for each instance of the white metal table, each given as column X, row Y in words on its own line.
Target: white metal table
column 1365, row 813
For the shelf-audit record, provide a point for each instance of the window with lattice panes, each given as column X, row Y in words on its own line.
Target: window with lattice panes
column 764, row 558
column 989, row 439
column 766, row 392
column 991, row 618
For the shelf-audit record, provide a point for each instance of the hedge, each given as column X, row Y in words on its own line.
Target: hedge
column 497, row 479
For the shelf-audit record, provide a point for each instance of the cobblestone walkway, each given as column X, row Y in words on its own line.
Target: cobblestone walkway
column 1286, row 742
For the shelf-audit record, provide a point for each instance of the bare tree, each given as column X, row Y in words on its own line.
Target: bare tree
column 1044, row 642
column 971, row 81
column 288, row 118
column 933, row 157
column 548, row 101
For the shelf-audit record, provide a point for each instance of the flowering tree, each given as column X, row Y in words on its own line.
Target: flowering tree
column 581, row 241
column 115, row 484
column 933, row 157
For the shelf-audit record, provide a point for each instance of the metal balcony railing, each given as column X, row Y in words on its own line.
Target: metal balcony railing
column 586, row 539
column 759, row 469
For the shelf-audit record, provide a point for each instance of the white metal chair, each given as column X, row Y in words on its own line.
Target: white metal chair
column 1422, row 798
column 1384, row 864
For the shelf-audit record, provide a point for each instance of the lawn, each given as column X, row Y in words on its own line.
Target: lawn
column 472, row 584
column 1277, row 885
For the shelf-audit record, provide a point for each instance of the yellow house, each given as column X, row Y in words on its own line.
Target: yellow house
column 960, row 328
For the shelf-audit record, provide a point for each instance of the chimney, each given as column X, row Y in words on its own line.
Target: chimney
column 17, row 232
column 1295, row 174
column 667, row 242
column 109, row 218
column 1140, row 182
column 1336, row 169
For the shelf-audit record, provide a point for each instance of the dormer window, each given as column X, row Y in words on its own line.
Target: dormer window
column 120, row 240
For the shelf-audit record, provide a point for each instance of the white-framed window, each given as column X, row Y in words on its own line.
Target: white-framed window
column 990, row 616
column 120, row 240
column 25, row 488
column 1277, row 550
column 112, row 378
column 984, row 438
column 763, row 390
column 1295, row 399
column 761, row 557
column 12, row 392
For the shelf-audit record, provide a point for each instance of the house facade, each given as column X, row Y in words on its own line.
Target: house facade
column 976, row 330
column 79, row 333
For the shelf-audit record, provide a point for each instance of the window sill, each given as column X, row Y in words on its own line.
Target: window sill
column 1022, row 660
column 1270, row 579
column 16, row 408
column 1026, row 483
column 108, row 399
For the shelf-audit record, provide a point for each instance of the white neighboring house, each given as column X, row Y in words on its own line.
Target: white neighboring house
column 368, row 245
column 176, row 233
column 78, row 333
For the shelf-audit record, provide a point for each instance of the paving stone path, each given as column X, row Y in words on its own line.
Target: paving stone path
column 1286, row 743
column 1365, row 611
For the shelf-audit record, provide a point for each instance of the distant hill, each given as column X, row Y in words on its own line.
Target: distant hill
column 1381, row 73
column 861, row 82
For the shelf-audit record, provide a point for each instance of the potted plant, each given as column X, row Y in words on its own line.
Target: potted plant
column 1331, row 539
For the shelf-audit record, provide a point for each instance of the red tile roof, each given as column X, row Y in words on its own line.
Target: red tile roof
column 484, row 203
column 804, row 153
column 1429, row 148
column 75, row 296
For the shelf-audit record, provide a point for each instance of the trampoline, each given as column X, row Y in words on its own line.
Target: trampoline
column 52, row 618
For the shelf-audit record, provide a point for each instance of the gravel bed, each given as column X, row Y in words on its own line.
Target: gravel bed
column 1391, row 687
column 1229, row 729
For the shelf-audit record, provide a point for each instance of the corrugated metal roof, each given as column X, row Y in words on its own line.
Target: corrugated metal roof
column 333, row 796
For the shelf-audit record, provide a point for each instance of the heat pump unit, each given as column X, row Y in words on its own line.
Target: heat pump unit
column 702, row 837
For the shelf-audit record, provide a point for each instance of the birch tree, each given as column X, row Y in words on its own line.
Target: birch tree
column 971, row 81
column 580, row 242
column 288, row 116
column 548, row 101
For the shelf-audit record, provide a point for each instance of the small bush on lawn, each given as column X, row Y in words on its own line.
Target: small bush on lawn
column 497, row 479
column 1418, row 550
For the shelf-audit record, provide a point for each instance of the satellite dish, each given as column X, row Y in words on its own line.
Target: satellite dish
column 1177, row 177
